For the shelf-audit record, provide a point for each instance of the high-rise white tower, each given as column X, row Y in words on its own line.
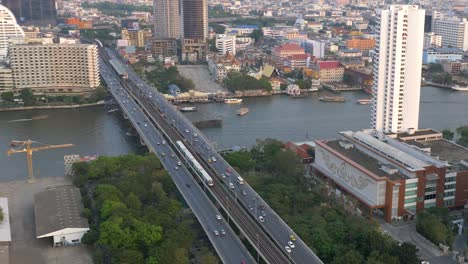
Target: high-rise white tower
column 9, row 30
column 167, row 19
column 397, row 68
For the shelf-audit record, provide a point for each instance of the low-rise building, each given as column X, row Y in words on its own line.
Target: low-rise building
column 225, row 44
column 396, row 175
column 5, row 232
column 349, row 53
column 435, row 55
column 329, row 71
column 220, row 66
column 451, row 66
column 58, row 214
column 281, row 53
column 298, row 61
column 432, row 40
column 360, row 43
column 55, row 68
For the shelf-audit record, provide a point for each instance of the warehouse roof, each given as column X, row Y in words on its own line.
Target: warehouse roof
column 58, row 208
column 5, row 233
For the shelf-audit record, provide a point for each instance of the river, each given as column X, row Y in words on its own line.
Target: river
column 96, row 132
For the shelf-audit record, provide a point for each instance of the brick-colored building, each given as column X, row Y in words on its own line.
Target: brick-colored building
column 329, row 71
column 396, row 175
column 281, row 53
column 360, row 43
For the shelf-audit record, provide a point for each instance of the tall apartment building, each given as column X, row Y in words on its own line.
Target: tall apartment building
column 167, row 19
column 55, row 68
column 167, row 27
column 33, row 12
column 454, row 32
column 195, row 19
column 397, row 68
column 225, row 44
column 195, row 30
column 135, row 37
column 9, row 29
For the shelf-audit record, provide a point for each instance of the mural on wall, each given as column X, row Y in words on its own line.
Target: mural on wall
column 339, row 169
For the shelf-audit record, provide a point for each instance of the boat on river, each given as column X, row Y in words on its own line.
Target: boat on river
column 242, row 111
column 337, row 99
column 188, row 109
column 232, row 101
column 364, row 101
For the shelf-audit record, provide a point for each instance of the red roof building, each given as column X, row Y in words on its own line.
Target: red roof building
column 300, row 151
column 281, row 53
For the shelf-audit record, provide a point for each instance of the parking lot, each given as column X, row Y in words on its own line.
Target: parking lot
column 25, row 248
column 200, row 75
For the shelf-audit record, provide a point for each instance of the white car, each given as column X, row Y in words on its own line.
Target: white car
column 288, row 249
column 231, row 185
column 291, row 244
column 223, row 176
column 213, row 159
column 218, row 217
column 176, row 167
column 261, row 219
column 179, row 163
column 216, row 233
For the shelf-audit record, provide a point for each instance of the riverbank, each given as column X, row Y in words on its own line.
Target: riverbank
column 48, row 107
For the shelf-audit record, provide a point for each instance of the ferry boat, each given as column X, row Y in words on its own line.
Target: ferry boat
column 39, row 117
column 459, row 88
column 188, row 109
column 364, row 101
column 332, row 99
column 232, row 101
column 242, row 111
column 112, row 110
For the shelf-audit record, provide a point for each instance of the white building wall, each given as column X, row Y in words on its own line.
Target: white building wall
column 397, row 69
column 9, row 30
column 69, row 239
column 225, row 43
column 454, row 32
column 355, row 181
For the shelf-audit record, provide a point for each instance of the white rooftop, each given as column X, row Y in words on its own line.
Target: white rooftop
column 5, row 233
column 392, row 152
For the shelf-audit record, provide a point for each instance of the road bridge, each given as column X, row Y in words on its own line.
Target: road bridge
column 241, row 203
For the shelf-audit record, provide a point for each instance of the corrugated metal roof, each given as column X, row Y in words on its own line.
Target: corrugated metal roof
column 58, row 208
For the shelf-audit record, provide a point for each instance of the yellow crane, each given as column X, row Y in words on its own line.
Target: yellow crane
column 25, row 147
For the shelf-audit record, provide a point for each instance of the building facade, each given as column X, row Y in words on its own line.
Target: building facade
column 360, row 43
column 281, row 53
column 329, row 71
column 195, row 30
column 33, row 12
column 432, row 40
column 397, row 68
column 454, row 32
column 167, row 22
column 435, row 55
column 395, row 175
column 225, row 43
column 9, row 29
column 134, row 37
column 55, row 68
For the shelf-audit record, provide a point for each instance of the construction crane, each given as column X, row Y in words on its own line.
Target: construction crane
column 25, row 147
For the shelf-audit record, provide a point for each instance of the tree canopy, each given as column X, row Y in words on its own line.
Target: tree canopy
column 331, row 231
column 132, row 210
column 236, row 81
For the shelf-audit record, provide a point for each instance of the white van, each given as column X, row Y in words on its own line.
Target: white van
column 240, row 180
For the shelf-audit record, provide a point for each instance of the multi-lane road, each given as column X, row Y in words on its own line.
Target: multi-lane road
column 229, row 247
column 240, row 201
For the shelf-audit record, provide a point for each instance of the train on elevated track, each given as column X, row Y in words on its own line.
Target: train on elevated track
column 197, row 167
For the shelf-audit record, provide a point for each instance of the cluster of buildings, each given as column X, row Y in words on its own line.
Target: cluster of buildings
column 396, row 169
column 44, row 63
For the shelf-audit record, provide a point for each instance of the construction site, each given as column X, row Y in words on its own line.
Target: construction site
column 28, row 216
